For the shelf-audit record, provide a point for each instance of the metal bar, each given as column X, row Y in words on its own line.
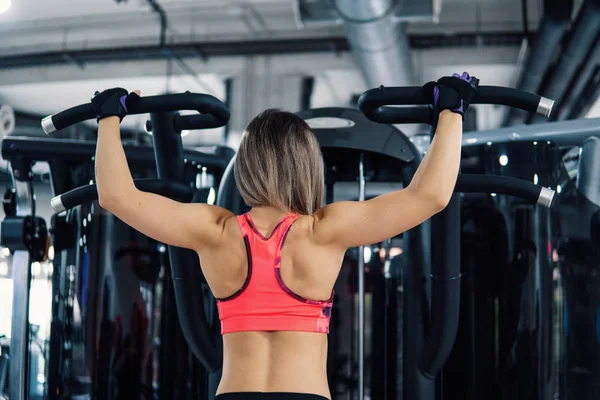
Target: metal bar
column 563, row 133
column 361, row 291
column 21, row 276
column 525, row 16
column 48, row 149
column 19, row 339
column 249, row 47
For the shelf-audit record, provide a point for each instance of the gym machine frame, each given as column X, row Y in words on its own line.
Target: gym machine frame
column 445, row 228
column 27, row 235
column 394, row 144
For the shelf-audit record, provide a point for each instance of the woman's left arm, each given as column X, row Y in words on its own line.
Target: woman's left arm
column 191, row 226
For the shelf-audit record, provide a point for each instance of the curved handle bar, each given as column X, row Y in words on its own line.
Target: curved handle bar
column 190, row 122
column 372, row 102
column 214, row 112
column 89, row 193
column 472, row 183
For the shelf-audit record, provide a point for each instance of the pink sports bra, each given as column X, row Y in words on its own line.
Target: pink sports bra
column 265, row 303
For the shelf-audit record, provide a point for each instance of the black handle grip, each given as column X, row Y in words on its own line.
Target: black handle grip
column 471, row 183
column 214, row 113
column 89, row 193
column 372, row 102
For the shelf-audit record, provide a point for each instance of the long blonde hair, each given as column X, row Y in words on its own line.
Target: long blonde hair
column 279, row 163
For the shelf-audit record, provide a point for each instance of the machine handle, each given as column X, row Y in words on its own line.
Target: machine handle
column 213, row 112
column 89, row 193
column 473, row 183
column 373, row 102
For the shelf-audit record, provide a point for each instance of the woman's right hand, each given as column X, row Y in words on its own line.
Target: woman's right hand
column 454, row 92
column 114, row 103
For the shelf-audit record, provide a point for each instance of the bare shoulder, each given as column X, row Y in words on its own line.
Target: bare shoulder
column 211, row 220
column 220, row 215
column 304, row 225
column 325, row 220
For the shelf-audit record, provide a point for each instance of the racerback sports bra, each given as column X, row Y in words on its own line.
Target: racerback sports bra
column 264, row 302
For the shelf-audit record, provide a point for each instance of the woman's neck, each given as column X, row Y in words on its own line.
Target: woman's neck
column 267, row 213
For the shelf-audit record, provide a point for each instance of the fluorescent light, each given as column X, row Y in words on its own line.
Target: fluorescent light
column 212, row 196
column 5, row 5
column 367, row 252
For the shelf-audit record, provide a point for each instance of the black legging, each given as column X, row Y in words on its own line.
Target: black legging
column 268, row 396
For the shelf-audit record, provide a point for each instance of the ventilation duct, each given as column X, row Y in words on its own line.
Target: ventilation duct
column 584, row 32
column 574, row 105
column 554, row 23
column 319, row 12
column 375, row 32
column 379, row 44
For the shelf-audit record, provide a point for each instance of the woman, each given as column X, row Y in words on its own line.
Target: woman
column 273, row 269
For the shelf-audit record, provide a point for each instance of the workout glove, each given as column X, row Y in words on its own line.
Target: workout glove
column 454, row 92
column 113, row 102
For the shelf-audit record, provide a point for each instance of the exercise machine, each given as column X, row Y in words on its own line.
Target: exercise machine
column 356, row 149
column 532, row 274
column 176, row 170
column 428, row 340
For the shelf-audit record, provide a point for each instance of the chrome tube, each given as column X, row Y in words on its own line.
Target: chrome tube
column 361, row 292
column 48, row 125
column 545, row 107
column 57, row 204
column 546, row 196
column 21, row 277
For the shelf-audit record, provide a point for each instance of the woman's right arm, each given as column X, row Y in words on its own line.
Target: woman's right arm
column 349, row 224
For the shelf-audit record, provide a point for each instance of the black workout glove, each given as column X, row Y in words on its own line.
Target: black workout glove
column 113, row 102
column 453, row 93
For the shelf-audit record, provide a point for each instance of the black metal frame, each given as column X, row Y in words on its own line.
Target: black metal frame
column 185, row 269
column 24, row 233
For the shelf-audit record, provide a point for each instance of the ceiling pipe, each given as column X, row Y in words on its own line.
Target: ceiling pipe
column 589, row 97
column 553, row 25
column 576, row 99
column 584, row 32
column 379, row 44
column 162, row 15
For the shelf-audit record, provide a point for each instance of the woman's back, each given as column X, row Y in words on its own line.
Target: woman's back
column 273, row 361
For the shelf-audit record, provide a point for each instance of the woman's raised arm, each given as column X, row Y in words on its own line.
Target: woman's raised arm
column 191, row 226
column 349, row 224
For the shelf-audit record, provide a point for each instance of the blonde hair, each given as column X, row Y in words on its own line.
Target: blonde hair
column 279, row 164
